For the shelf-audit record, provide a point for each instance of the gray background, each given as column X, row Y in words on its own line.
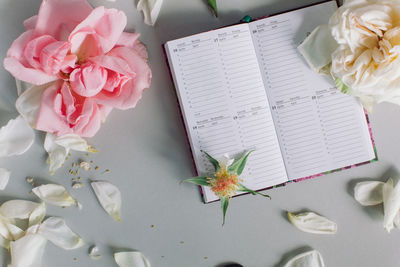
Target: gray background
column 146, row 151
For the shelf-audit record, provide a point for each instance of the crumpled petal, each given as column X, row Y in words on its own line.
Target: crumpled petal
column 391, row 203
column 4, row 177
column 317, row 49
column 369, row 193
column 27, row 251
column 16, row 137
column 131, row 259
column 18, row 209
column 28, row 103
column 56, row 231
column 308, row 259
column 54, row 194
column 74, row 142
column 312, row 223
column 109, row 197
column 151, row 9
column 94, row 253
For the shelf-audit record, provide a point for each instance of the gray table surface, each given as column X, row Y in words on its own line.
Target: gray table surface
column 146, row 151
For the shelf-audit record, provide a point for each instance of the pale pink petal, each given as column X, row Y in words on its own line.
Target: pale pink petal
column 34, row 48
column 131, row 92
column 131, row 40
column 52, row 57
column 30, row 23
column 104, row 112
column 57, row 17
column 115, row 64
column 48, row 120
column 108, row 25
column 90, row 121
column 88, row 80
column 33, row 76
column 16, row 49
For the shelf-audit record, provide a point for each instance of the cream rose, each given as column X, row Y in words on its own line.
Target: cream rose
column 365, row 62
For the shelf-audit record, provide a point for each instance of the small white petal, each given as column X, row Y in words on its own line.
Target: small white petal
column 27, row 251
column 16, row 137
column 308, row 259
column 37, row 214
column 15, row 231
column 131, row 259
column 369, row 193
column 151, row 9
column 94, row 253
column 56, row 231
column 225, row 161
column 54, row 194
column 391, row 203
column 109, row 197
column 74, row 142
column 18, row 209
column 4, row 177
column 312, row 223
column 28, row 103
column 57, row 154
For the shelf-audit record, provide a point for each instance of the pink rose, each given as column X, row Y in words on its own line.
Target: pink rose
column 89, row 63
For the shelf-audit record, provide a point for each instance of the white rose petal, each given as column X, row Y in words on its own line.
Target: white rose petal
column 74, row 142
column 151, row 9
column 391, row 203
column 109, row 197
column 54, row 194
column 27, row 251
column 28, row 103
column 4, row 243
column 57, row 153
column 16, row 137
column 308, row 259
column 94, row 253
column 15, row 232
column 37, row 215
column 56, row 231
column 131, row 259
column 4, row 177
column 369, row 193
column 312, row 223
column 18, row 209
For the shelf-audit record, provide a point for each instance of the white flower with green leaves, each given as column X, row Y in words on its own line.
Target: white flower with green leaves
column 225, row 181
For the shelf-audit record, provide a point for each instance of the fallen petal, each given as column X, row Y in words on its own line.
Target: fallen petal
column 391, row 203
column 15, row 232
column 308, row 259
column 56, row 231
column 27, row 251
column 94, row 253
column 16, row 137
column 18, row 209
column 151, row 9
column 131, row 259
column 57, row 154
column 74, row 142
column 369, row 193
column 312, row 223
column 54, row 194
column 4, row 177
column 37, row 215
column 109, row 197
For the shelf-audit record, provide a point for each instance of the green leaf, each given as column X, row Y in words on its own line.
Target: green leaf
column 239, row 164
column 213, row 5
column 199, row 180
column 341, row 86
column 224, row 206
column 213, row 161
column 242, row 188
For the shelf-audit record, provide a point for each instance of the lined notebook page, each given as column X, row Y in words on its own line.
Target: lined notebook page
column 224, row 103
column 319, row 128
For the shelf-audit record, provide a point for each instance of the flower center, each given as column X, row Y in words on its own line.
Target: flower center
column 224, row 184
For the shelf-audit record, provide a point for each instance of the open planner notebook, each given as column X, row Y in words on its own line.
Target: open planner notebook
column 247, row 87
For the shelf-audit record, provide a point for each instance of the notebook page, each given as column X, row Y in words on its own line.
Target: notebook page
column 319, row 128
column 224, row 103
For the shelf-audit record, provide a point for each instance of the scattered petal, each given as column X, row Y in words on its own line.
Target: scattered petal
column 56, row 231
column 94, row 253
column 391, row 203
column 37, row 214
column 131, row 259
column 151, row 9
column 312, row 223
column 74, row 142
column 109, row 197
column 54, row 194
column 4, row 177
column 57, row 153
column 15, row 232
column 4, row 243
column 27, row 251
column 308, row 259
column 369, row 193
column 18, row 209
column 16, row 137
